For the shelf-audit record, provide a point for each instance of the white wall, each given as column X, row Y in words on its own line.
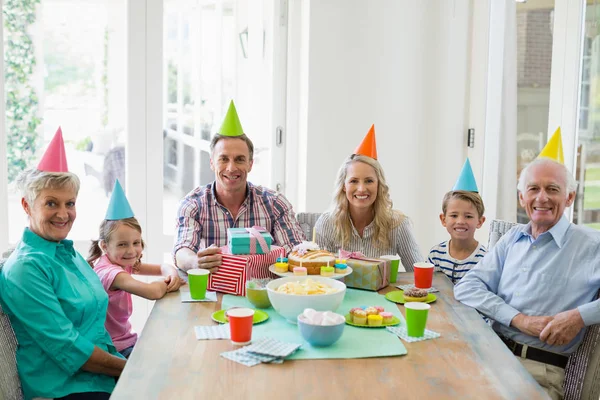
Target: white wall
column 402, row 65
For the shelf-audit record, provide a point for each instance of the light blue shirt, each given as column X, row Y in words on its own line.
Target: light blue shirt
column 558, row 271
column 57, row 308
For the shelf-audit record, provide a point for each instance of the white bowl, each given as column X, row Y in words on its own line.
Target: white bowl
column 290, row 306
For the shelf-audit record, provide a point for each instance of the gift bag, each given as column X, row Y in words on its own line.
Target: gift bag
column 367, row 273
column 236, row 269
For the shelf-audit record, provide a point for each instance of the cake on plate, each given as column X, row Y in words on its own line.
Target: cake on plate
column 311, row 257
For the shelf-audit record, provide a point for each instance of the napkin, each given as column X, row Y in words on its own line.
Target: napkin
column 400, row 331
column 204, row 332
column 186, row 297
column 265, row 350
column 412, row 285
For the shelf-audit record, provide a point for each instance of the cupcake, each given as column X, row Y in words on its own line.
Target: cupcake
column 352, row 310
column 282, row 260
column 359, row 317
column 387, row 317
column 415, row 294
column 281, row 267
column 379, row 308
column 341, row 268
column 375, row 320
column 299, row 271
column 327, row 271
column 372, row 311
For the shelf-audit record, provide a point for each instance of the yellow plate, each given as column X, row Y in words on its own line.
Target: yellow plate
column 397, row 296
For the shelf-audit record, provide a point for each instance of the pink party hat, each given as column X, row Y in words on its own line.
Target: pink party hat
column 55, row 158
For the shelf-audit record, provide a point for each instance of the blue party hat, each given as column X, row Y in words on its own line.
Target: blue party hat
column 466, row 179
column 118, row 207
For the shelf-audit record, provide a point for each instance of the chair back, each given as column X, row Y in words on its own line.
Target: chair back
column 307, row 222
column 497, row 229
column 10, row 384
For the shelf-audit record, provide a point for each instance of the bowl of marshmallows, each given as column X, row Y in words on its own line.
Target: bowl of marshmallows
column 321, row 328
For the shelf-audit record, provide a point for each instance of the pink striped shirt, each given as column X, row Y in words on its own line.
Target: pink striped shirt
column 202, row 220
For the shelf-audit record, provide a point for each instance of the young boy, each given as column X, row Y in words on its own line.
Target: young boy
column 462, row 214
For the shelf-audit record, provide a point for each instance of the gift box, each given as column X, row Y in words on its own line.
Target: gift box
column 367, row 273
column 236, row 269
column 255, row 240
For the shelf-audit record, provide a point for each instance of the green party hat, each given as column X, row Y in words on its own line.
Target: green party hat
column 231, row 123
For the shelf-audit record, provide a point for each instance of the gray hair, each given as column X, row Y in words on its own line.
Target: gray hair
column 570, row 182
column 32, row 181
column 215, row 139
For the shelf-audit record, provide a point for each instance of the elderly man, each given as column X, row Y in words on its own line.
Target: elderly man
column 539, row 283
column 230, row 202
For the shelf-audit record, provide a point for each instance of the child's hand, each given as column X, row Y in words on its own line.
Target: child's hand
column 173, row 282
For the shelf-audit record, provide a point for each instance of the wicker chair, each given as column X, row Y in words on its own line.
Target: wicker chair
column 582, row 374
column 307, row 222
column 10, row 384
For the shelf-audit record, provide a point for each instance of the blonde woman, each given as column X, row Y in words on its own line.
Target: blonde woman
column 361, row 217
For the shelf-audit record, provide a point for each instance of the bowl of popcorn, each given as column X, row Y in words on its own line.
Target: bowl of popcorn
column 289, row 296
column 321, row 328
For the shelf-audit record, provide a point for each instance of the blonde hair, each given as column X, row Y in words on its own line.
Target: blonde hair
column 471, row 197
column 385, row 217
column 31, row 182
column 107, row 228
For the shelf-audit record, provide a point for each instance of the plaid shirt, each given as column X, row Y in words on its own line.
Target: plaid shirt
column 203, row 221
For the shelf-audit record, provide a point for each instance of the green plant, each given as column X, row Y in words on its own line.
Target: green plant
column 21, row 100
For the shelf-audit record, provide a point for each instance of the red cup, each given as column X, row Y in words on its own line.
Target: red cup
column 240, row 325
column 423, row 274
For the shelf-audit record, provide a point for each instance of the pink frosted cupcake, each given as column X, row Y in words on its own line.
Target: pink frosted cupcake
column 387, row 317
column 380, row 309
column 352, row 310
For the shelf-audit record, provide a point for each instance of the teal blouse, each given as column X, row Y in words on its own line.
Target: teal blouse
column 57, row 308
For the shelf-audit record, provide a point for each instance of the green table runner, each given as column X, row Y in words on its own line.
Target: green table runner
column 354, row 343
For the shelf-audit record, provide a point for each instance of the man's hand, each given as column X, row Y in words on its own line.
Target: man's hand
column 563, row 328
column 530, row 325
column 210, row 258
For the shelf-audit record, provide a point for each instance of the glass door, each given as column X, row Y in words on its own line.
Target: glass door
column 215, row 51
column 67, row 70
column 587, row 203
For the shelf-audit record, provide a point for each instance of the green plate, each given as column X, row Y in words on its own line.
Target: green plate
column 397, row 296
column 259, row 316
column 395, row 321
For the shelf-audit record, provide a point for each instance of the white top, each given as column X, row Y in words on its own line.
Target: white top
column 402, row 241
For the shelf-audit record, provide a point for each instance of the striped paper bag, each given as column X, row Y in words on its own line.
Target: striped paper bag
column 237, row 269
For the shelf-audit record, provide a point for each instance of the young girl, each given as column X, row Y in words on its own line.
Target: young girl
column 114, row 257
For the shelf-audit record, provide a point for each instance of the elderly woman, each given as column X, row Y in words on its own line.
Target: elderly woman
column 55, row 301
column 361, row 217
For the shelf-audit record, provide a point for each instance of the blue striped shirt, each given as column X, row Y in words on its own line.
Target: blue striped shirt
column 202, row 220
column 558, row 271
column 453, row 268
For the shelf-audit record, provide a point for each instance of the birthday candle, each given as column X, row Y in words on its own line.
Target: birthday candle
column 314, row 234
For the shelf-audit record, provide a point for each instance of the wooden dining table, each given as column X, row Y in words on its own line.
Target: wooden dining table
column 468, row 361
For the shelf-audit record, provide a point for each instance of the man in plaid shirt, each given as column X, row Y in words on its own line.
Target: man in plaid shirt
column 230, row 202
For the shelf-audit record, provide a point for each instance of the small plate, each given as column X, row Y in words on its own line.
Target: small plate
column 334, row 276
column 259, row 316
column 397, row 296
column 395, row 321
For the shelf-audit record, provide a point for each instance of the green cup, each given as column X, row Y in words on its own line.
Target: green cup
column 416, row 318
column 394, row 264
column 198, row 280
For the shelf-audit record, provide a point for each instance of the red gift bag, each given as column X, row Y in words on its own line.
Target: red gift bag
column 237, row 269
